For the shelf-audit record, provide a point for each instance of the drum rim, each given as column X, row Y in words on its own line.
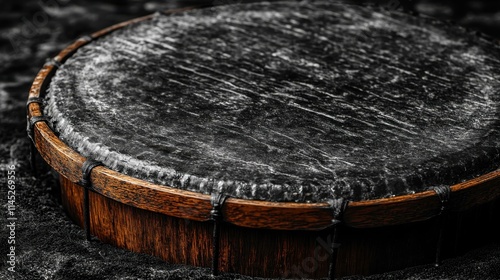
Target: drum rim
column 247, row 213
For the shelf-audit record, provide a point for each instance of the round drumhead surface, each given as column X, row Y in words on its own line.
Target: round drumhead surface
column 285, row 101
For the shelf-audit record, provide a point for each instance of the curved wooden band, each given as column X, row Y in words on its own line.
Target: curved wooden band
column 247, row 213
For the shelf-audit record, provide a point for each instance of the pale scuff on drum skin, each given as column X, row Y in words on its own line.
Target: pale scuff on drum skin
column 285, row 103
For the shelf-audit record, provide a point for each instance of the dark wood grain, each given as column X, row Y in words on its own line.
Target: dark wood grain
column 175, row 240
column 280, row 253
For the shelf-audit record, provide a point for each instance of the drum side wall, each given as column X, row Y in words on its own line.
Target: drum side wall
column 276, row 253
column 172, row 239
column 264, row 253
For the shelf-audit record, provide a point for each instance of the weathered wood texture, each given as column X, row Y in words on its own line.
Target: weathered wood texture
column 280, row 253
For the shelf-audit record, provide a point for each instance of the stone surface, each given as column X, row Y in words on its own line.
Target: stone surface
column 285, row 102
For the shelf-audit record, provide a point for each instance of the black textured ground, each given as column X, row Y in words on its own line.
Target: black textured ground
column 48, row 245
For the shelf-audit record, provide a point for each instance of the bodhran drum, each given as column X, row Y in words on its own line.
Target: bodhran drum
column 257, row 138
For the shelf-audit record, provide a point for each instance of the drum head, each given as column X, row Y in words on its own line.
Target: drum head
column 299, row 102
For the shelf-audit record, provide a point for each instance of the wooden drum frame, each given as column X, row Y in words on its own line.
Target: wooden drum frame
column 258, row 238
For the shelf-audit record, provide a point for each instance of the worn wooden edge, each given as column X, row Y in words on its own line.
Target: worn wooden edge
column 247, row 213
column 422, row 206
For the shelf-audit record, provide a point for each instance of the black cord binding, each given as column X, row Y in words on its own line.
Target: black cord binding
column 338, row 205
column 162, row 13
column 217, row 200
column 37, row 100
column 86, row 38
column 443, row 193
column 87, row 167
column 53, row 62
column 31, row 135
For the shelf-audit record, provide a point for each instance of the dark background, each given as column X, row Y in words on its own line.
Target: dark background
column 48, row 245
